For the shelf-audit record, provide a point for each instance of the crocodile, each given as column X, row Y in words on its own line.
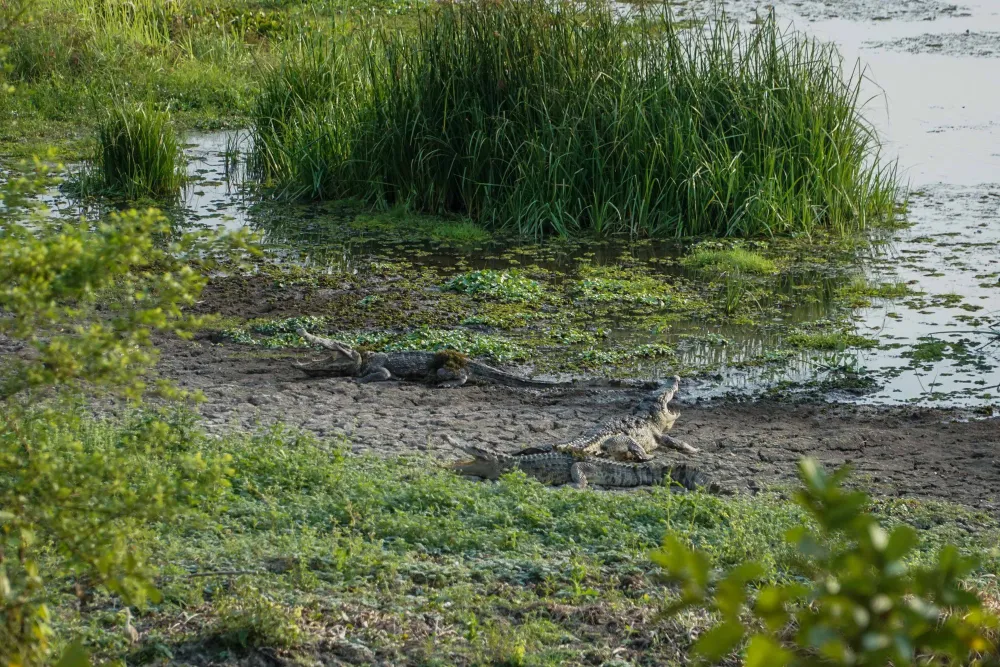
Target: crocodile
column 446, row 368
column 557, row 468
column 630, row 437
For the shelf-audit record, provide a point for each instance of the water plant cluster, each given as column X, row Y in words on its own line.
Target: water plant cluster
column 558, row 119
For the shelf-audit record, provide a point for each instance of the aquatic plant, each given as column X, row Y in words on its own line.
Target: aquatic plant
column 558, row 119
column 730, row 260
column 498, row 285
column 138, row 153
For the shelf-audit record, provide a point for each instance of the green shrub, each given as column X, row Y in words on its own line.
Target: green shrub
column 853, row 598
column 248, row 618
column 74, row 496
column 562, row 119
column 138, row 154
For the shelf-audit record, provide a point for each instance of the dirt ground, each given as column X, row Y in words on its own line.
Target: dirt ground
column 922, row 453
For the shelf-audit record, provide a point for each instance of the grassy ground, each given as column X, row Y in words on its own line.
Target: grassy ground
column 200, row 59
column 314, row 551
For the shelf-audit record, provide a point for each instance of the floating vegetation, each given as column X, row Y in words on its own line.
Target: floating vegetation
column 829, row 340
column 499, row 285
column 487, row 109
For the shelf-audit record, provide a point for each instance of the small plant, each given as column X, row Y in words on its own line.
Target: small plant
column 249, row 619
column 730, row 260
column 508, row 286
column 853, row 598
column 138, row 153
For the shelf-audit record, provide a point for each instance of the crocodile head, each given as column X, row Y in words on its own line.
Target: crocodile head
column 656, row 407
column 337, row 364
column 484, row 463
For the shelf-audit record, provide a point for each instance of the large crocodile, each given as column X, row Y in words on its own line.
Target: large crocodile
column 446, row 368
column 630, row 437
column 565, row 468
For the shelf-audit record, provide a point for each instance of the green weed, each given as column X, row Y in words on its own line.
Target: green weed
column 829, row 340
column 509, row 286
column 248, row 618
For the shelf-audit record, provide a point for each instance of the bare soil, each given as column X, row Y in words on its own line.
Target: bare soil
column 922, row 453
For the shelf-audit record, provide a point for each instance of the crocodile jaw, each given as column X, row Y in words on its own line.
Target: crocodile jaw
column 478, row 468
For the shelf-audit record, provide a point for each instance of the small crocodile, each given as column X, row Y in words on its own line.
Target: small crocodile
column 446, row 368
column 627, row 438
column 565, row 468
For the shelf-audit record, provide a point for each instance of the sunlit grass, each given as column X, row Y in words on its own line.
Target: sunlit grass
column 554, row 119
column 138, row 153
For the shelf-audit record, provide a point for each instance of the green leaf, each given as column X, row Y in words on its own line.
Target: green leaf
column 763, row 651
column 718, row 642
column 74, row 656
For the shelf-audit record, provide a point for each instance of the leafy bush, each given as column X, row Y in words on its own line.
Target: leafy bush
column 138, row 153
column 853, row 600
column 248, row 618
column 561, row 118
column 72, row 499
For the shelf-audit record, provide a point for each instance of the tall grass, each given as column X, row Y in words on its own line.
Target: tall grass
column 138, row 153
column 558, row 119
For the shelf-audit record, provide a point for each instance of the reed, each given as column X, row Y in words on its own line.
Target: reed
column 557, row 119
column 138, row 154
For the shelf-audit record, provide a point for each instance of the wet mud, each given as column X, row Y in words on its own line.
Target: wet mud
column 745, row 447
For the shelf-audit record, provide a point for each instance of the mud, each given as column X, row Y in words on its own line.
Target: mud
column 921, row 453
column 979, row 44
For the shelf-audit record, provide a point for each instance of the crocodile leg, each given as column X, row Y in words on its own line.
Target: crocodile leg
column 448, row 378
column 674, row 443
column 377, row 374
column 624, row 448
column 578, row 473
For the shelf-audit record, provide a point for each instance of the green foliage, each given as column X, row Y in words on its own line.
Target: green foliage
column 75, row 496
column 138, row 154
column 72, row 502
column 730, row 260
column 488, row 109
column 830, row 340
column 52, row 275
column 507, row 286
column 855, row 599
column 248, row 618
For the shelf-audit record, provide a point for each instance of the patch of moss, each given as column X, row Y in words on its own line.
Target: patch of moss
column 729, row 260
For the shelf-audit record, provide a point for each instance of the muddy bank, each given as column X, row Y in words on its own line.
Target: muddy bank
column 921, row 453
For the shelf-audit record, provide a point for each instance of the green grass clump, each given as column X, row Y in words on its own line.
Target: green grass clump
column 138, row 153
column 860, row 291
column 731, row 260
column 559, row 119
column 830, row 340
